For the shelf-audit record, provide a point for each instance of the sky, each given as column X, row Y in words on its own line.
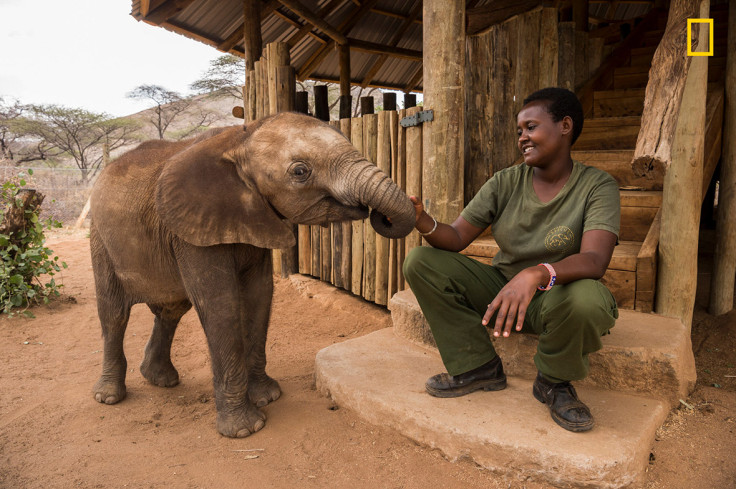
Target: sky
column 89, row 53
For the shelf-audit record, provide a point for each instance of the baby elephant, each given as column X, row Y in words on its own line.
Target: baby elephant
column 176, row 224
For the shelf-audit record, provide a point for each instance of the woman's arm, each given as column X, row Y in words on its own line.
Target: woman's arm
column 451, row 237
column 512, row 301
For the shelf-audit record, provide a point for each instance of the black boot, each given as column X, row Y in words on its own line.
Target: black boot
column 489, row 377
column 564, row 405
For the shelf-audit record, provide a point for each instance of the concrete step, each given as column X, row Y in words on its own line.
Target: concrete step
column 381, row 377
column 645, row 354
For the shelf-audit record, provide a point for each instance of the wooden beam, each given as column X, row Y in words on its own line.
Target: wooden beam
column 682, row 197
column 395, row 15
column 306, row 29
column 724, row 265
column 373, row 47
column 318, row 56
column 479, row 19
column 664, row 91
column 387, row 86
column 320, row 38
column 444, row 92
column 306, row 14
column 580, row 14
column 167, row 10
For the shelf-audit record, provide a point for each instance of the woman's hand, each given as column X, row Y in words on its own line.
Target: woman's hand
column 418, row 206
column 513, row 299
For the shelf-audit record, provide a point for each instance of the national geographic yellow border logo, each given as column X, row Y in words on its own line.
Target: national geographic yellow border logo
column 690, row 23
column 559, row 239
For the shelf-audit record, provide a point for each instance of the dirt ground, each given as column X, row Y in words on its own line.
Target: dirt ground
column 54, row 435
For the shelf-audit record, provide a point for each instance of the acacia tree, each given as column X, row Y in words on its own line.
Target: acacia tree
column 168, row 105
column 76, row 133
column 14, row 146
column 224, row 77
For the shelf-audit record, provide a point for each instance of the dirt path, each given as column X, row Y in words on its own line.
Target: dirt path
column 54, row 435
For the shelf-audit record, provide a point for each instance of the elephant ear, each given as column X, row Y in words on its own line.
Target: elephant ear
column 201, row 198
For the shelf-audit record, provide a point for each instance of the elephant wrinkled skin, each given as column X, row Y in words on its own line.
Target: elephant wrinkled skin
column 176, row 224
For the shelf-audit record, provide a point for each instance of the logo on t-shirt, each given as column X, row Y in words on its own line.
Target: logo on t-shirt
column 559, row 239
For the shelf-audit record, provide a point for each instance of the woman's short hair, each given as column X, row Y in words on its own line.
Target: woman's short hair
column 561, row 103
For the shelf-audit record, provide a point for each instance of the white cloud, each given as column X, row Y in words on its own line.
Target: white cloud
column 90, row 53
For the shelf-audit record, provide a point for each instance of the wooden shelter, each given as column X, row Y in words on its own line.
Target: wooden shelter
column 654, row 114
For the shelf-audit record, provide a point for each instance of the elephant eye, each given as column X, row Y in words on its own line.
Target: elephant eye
column 300, row 171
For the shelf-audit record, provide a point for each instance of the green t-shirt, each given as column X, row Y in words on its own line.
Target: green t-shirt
column 528, row 231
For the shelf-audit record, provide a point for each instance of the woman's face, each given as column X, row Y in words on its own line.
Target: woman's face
column 541, row 139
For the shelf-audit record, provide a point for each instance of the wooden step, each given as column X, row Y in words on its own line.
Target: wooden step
column 624, row 255
column 618, row 164
column 618, row 103
column 638, row 76
column 609, row 133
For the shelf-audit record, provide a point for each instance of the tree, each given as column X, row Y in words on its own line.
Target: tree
column 224, row 77
column 76, row 133
column 14, row 146
column 169, row 105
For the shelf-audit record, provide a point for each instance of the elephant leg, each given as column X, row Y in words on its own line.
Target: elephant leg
column 156, row 366
column 256, row 295
column 113, row 309
column 210, row 276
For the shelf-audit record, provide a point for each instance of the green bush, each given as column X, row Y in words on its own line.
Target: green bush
column 27, row 267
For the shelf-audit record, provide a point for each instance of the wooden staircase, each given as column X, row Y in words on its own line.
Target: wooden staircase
column 614, row 103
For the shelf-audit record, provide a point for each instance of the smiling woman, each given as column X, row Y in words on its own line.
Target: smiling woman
column 556, row 222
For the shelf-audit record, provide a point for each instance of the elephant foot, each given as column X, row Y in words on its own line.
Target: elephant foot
column 262, row 391
column 162, row 374
column 109, row 392
column 241, row 423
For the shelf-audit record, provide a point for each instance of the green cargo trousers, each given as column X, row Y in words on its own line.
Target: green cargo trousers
column 454, row 292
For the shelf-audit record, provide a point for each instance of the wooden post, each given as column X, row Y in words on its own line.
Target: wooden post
column 394, row 245
column 345, row 98
column 580, row 14
column 301, row 102
column 654, row 145
column 549, row 46
column 321, row 256
column 383, row 160
column 356, row 272
column 410, row 100
column 389, row 101
column 566, row 62
column 321, row 104
column 252, row 32
column 400, row 179
column 724, row 266
column 346, row 232
column 366, row 105
column 336, row 243
column 443, row 75
column 253, row 46
column 682, row 196
column 370, row 132
column 413, row 173
column 527, row 56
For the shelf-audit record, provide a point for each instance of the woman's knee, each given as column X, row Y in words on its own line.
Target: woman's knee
column 583, row 302
column 418, row 259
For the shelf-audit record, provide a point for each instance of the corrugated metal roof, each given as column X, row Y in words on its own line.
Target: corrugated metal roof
column 215, row 21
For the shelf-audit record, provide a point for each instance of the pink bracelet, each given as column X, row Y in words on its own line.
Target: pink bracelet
column 552, row 276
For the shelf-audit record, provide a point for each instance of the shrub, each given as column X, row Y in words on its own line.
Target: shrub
column 27, row 267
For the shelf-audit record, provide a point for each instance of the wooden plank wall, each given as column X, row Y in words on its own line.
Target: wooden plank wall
column 504, row 65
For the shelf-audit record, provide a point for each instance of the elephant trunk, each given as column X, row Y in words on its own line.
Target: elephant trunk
column 392, row 214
